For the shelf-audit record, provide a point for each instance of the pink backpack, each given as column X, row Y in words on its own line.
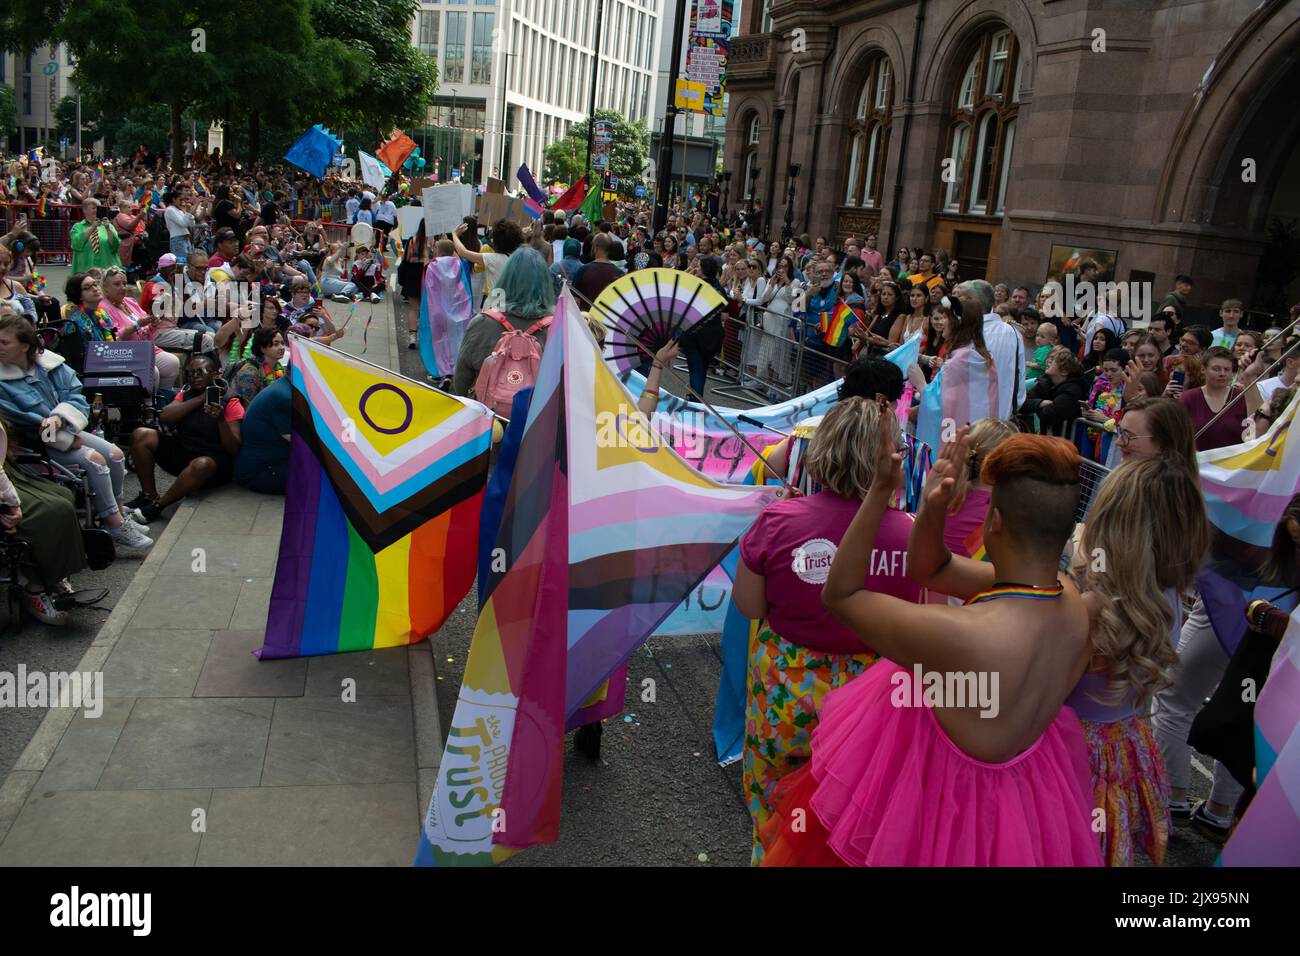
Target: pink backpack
column 512, row 365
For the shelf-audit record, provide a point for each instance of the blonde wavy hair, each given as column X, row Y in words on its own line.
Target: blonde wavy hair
column 985, row 435
column 843, row 453
column 1147, row 532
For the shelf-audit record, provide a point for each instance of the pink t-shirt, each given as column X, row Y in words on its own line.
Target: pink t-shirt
column 960, row 531
column 792, row 545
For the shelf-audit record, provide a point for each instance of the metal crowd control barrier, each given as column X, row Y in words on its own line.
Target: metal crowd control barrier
column 53, row 230
column 761, row 357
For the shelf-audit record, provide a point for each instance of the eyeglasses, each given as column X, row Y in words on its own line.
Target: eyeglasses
column 1125, row 436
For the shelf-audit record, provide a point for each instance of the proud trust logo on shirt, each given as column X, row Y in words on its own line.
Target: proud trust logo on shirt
column 812, row 560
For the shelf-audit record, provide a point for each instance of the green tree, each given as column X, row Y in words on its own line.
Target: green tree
column 65, row 119
column 396, row 82
column 8, row 112
column 267, row 77
column 566, row 159
column 135, row 53
column 26, row 24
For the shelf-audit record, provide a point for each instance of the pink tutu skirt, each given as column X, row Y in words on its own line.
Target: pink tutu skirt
column 886, row 787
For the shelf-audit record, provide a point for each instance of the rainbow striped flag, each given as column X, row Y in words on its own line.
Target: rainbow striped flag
column 387, row 477
column 43, row 206
column 604, row 531
column 834, row 326
column 1269, row 832
column 202, row 186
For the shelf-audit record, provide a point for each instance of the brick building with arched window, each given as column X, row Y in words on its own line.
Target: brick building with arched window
column 999, row 129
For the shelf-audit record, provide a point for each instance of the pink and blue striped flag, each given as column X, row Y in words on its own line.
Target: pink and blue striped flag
column 1269, row 832
column 603, row 532
column 445, row 311
column 964, row 391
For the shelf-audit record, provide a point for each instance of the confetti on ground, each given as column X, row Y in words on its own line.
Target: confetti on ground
column 703, row 858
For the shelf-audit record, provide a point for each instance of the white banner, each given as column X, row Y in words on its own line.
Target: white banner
column 373, row 172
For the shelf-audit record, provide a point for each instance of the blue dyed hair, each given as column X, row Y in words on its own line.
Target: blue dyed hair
column 526, row 284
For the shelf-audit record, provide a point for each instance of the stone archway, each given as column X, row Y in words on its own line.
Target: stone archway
column 1235, row 146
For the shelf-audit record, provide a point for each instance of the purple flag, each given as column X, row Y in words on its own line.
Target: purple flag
column 526, row 180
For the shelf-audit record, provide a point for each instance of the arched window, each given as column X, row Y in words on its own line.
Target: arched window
column 981, row 134
column 868, row 138
column 752, row 138
column 750, row 182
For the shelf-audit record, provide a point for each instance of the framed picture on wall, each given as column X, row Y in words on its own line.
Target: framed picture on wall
column 1065, row 259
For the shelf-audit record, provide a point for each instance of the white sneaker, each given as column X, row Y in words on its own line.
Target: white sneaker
column 340, row 297
column 128, row 538
column 374, row 297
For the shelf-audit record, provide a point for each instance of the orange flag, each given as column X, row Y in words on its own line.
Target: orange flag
column 394, row 150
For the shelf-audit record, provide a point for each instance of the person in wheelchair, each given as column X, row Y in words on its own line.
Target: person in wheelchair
column 131, row 321
column 85, row 319
column 41, row 397
column 43, row 543
column 199, row 445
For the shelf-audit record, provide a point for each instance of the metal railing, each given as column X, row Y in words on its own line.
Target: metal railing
column 765, row 356
column 53, row 230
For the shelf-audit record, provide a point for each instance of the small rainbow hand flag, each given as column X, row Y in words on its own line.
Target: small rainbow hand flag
column 203, row 187
column 834, row 326
column 43, row 207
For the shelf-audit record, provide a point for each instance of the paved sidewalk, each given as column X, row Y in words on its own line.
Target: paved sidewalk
column 204, row 755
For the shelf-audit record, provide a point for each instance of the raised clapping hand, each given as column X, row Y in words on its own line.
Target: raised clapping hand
column 946, row 485
column 889, row 461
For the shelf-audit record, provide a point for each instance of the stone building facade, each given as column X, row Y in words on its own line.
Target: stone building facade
column 1162, row 130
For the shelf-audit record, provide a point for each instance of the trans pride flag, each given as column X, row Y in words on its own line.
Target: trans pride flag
column 965, row 390
column 445, row 311
column 1269, row 833
column 386, row 479
column 604, row 531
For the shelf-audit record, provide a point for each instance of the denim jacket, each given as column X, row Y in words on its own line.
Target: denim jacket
column 49, row 387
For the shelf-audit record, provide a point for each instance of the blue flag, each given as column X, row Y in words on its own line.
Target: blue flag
column 314, row 151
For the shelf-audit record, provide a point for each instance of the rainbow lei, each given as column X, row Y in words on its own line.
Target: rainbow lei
column 97, row 326
column 36, row 284
column 270, row 375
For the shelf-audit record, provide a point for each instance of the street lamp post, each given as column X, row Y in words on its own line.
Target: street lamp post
column 451, row 151
column 726, row 189
column 788, row 230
